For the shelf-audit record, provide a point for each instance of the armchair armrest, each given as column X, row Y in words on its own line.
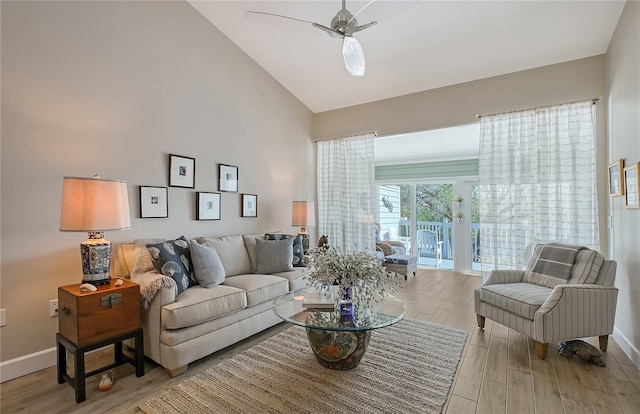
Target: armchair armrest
column 501, row 276
column 576, row 311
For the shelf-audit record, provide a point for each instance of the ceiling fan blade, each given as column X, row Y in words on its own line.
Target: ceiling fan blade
column 330, row 31
column 359, row 11
column 354, row 29
column 353, row 56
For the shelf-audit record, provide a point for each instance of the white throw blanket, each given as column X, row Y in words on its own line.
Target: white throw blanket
column 150, row 284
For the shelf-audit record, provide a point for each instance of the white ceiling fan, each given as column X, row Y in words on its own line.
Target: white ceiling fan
column 343, row 26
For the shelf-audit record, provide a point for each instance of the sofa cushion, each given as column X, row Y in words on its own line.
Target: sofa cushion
column 296, row 277
column 259, row 288
column 232, row 252
column 198, row 305
column 586, row 267
column 142, row 260
column 172, row 258
column 523, row 299
column 250, row 245
column 274, row 256
column 207, row 266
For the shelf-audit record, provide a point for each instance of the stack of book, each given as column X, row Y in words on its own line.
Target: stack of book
column 318, row 300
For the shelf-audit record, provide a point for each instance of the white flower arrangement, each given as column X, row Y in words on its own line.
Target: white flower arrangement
column 371, row 282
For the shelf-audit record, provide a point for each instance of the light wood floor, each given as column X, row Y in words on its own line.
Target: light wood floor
column 499, row 372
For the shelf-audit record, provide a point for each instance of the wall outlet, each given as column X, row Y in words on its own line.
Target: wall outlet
column 53, row 308
column 3, row 317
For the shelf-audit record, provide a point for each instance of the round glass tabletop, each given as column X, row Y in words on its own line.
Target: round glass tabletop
column 338, row 315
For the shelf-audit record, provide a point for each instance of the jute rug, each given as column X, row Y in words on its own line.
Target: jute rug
column 408, row 368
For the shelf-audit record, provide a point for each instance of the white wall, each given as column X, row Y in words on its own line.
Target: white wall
column 113, row 88
column 623, row 93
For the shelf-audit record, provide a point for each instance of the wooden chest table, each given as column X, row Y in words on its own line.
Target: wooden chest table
column 91, row 320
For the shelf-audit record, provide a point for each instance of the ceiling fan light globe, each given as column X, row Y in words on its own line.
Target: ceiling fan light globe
column 353, row 56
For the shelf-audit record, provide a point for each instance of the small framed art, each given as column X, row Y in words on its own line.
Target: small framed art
column 182, row 171
column 207, row 206
column 228, row 175
column 632, row 185
column 153, row 202
column 249, row 205
column 616, row 178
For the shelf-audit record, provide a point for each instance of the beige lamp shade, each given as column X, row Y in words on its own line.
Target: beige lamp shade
column 303, row 214
column 94, row 205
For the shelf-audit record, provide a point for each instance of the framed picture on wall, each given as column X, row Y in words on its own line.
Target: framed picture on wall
column 153, row 202
column 182, row 171
column 616, row 178
column 228, row 178
column 632, row 184
column 208, row 206
column 249, row 205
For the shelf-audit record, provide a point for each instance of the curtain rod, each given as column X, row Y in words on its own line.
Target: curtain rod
column 593, row 102
column 374, row 133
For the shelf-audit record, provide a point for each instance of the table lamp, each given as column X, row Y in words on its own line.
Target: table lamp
column 303, row 215
column 94, row 205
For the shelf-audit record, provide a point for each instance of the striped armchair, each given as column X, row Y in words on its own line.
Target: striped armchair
column 581, row 306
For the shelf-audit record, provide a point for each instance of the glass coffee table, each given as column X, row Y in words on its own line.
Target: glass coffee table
column 339, row 335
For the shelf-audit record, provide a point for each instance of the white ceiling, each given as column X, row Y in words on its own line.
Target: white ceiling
column 416, row 45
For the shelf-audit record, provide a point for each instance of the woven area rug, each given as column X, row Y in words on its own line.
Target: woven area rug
column 408, row 368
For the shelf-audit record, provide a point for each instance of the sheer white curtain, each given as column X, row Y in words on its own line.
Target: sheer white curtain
column 537, row 183
column 346, row 188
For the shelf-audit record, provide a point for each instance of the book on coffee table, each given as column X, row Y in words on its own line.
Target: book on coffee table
column 318, row 300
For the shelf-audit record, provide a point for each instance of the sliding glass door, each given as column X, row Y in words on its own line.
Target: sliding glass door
column 436, row 220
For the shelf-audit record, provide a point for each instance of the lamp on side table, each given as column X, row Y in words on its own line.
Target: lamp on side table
column 303, row 215
column 95, row 206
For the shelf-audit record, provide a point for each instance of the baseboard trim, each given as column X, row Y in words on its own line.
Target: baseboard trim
column 627, row 347
column 27, row 364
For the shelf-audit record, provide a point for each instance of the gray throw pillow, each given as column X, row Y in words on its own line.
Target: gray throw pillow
column 207, row 266
column 273, row 256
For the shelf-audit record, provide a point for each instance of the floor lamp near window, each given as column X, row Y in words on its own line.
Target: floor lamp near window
column 95, row 206
column 303, row 216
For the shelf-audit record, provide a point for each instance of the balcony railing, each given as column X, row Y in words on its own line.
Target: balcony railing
column 444, row 230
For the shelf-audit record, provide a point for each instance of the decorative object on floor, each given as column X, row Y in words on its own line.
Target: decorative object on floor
column 182, row 171
column 358, row 271
column 416, row 361
column 228, row 178
column 616, row 178
column 106, row 381
column 249, row 205
column 303, row 215
column 94, row 205
column 632, row 185
column 583, row 350
column 153, row 202
column 343, row 25
column 208, row 206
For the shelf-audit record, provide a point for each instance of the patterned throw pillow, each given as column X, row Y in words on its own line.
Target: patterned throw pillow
column 172, row 258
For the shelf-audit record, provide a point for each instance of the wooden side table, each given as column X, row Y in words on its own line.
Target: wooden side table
column 91, row 320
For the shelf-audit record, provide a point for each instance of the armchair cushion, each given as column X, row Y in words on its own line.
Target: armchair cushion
column 523, row 299
column 552, row 265
column 385, row 248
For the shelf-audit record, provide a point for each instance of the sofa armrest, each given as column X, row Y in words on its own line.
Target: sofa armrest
column 576, row 311
column 151, row 283
column 501, row 276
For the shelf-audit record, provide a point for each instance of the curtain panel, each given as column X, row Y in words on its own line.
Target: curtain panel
column 346, row 192
column 537, row 183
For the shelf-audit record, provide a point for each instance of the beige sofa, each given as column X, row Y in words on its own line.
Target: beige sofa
column 179, row 329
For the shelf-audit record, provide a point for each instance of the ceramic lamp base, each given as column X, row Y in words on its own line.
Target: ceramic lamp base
column 96, row 259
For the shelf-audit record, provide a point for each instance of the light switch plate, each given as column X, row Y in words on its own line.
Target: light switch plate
column 3, row 317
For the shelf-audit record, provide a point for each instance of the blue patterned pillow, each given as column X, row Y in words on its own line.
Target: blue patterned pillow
column 298, row 252
column 172, row 258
